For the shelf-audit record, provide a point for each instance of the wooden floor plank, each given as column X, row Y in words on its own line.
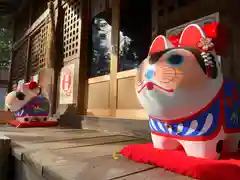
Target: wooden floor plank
column 24, row 147
column 98, row 168
column 66, row 154
column 76, row 142
column 81, row 153
column 38, row 138
column 69, row 156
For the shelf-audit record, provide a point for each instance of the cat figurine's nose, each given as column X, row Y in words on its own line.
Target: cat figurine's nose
column 149, row 86
column 20, row 95
column 150, row 74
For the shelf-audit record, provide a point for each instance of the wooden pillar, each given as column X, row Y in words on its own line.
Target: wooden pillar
column 85, row 15
column 46, row 74
column 27, row 62
column 10, row 73
column 51, row 37
column 114, row 55
column 155, row 8
column 5, row 148
column 58, row 59
column 11, row 59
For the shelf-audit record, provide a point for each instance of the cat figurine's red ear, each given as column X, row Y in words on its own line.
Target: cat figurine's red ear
column 207, row 38
column 219, row 35
column 32, row 85
column 160, row 43
column 194, row 36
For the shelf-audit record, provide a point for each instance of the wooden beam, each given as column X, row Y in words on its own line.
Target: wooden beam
column 83, row 62
column 114, row 56
column 35, row 26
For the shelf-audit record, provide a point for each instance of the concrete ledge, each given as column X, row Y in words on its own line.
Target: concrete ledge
column 5, row 146
column 22, row 171
column 139, row 128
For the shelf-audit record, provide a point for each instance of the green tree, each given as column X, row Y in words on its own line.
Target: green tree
column 5, row 46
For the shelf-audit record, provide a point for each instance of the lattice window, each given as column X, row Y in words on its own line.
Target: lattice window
column 38, row 50
column 71, row 30
column 19, row 62
column 44, row 36
column 35, row 53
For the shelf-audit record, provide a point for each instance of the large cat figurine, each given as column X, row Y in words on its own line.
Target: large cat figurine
column 27, row 103
column 181, row 86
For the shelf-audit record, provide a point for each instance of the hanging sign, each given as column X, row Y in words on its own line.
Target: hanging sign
column 66, row 85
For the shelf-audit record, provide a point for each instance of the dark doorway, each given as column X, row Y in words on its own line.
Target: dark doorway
column 135, row 37
column 100, row 44
column 135, row 32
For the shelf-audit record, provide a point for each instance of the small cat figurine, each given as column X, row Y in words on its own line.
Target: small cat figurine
column 27, row 103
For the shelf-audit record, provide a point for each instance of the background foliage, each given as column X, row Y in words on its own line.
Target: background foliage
column 5, row 46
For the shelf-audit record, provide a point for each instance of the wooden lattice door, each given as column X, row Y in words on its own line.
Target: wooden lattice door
column 19, row 63
column 38, row 50
column 71, row 36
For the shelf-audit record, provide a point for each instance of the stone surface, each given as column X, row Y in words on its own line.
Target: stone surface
column 96, row 150
column 97, row 168
column 154, row 174
column 139, row 128
column 75, row 143
column 66, row 154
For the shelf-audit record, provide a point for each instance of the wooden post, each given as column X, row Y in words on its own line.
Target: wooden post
column 11, row 59
column 154, row 11
column 50, row 74
column 5, row 146
column 58, row 60
column 27, row 62
column 83, row 62
column 114, row 55
column 51, row 51
column 46, row 74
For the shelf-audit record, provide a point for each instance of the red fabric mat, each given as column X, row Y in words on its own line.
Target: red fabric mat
column 19, row 124
column 227, row 168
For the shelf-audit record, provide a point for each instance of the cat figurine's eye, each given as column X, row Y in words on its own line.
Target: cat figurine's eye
column 174, row 59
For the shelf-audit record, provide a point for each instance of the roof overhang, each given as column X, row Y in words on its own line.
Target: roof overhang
column 9, row 9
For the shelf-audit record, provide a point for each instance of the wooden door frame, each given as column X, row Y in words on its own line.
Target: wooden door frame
column 114, row 56
column 114, row 76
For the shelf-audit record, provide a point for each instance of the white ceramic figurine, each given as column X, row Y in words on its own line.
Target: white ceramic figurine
column 189, row 103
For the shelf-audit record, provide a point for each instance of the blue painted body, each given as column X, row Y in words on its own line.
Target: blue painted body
column 227, row 100
column 38, row 106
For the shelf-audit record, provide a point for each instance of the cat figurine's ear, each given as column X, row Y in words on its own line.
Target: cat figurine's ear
column 160, row 43
column 20, row 87
column 191, row 36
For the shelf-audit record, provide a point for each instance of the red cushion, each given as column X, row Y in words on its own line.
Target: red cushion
column 20, row 124
column 227, row 168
